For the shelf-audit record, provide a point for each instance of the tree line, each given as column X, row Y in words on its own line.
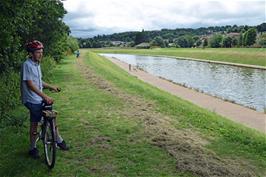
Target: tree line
column 21, row 22
column 218, row 36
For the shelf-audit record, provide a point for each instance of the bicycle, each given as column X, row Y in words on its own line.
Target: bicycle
column 48, row 134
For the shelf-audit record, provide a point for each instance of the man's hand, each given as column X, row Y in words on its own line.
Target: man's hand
column 51, row 87
column 48, row 100
column 55, row 88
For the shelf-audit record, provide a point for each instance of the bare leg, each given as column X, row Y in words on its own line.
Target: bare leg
column 60, row 142
column 59, row 139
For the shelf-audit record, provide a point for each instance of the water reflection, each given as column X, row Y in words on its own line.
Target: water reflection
column 245, row 86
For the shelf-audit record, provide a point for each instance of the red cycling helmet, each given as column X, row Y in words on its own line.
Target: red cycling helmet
column 34, row 45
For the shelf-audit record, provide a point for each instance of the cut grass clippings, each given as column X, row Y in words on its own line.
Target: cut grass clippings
column 98, row 136
column 239, row 141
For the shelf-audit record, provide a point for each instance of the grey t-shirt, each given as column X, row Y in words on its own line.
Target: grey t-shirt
column 30, row 71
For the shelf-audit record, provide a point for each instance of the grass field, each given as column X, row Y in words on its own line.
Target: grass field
column 119, row 126
column 250, row 56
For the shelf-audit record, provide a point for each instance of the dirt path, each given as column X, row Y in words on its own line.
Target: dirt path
column 237, row 113
column 185, row 146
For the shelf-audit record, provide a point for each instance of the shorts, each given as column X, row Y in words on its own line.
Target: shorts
column 35, row 111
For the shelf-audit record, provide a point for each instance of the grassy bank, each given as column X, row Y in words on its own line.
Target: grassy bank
column 250, row 56
column 119, row 126
column 228, row 138
column 98, row 136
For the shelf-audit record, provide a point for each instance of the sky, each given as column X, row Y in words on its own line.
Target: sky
column 88, row 18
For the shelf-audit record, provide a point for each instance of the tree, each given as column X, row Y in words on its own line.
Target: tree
column 261, row 28
column 227, row 42
column 184, row 41
column 158, row 41
column 262, row 40
column 96, row 44
column 205, row 43
column 250, row 37
column 72, row 44
column 190, row 40
column 180, row 42
column 215, row 41
column 168, row 36
column 241, row 40
column 234, row 41
column 21, row 21
column 171, row 35
column 198, row 42
column 140, row 37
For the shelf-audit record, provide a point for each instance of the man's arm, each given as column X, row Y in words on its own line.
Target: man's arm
column 48, row 86
column 32, row 87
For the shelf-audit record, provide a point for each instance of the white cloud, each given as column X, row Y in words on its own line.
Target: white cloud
column 109, row 16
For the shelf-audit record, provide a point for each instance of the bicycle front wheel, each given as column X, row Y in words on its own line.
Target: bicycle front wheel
column 49, row 143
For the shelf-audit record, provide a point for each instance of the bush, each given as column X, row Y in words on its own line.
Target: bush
column 9, row 93
column 48, row 64
column 72, row 45
column 262, row 40
column 227, row 42
column 216, row 41
column 20, row 22
column 185, row 41
column 158, row 41
column 250, row 37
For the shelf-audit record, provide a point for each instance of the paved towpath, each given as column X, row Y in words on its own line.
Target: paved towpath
column 237, row 113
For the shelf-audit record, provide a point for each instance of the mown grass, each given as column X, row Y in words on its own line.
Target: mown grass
column 98, row 136
column 227, row 138
column 250, row 56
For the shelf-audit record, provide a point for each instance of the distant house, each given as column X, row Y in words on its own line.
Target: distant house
column 143, row 45
column 171, row 45
column 120, row 44
column 233, row 34
column 117, row 43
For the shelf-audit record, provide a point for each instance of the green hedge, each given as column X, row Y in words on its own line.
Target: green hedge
column 21, row 22
column 10, row 91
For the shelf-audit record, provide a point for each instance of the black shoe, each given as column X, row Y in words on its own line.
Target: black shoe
column 34, row 153
column 63, row 146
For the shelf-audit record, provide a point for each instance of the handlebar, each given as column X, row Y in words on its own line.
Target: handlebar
column 46, row 106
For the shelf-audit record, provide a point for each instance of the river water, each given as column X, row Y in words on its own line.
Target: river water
column 244, row 86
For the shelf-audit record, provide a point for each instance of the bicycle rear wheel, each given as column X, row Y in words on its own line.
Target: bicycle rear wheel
column 49, row 143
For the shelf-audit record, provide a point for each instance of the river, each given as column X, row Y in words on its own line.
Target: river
column 244, row 86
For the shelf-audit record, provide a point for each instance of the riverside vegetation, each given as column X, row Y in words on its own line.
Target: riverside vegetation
column 250, row 56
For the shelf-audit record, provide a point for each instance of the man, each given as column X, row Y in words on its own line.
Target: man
column 77, row 53
column 32, row 95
